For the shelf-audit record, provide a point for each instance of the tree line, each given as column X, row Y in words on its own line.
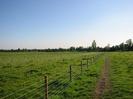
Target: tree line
column 127, row 46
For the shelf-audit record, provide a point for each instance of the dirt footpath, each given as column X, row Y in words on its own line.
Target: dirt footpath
column 103, row 82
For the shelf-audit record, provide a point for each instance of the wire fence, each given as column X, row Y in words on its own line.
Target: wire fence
column 50, row 88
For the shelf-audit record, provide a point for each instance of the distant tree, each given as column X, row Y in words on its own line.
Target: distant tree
column 79, row 48
column 89, row 49
column 18, row 50
column 60, row 49
column 129, row 44
column 72, row 48
column 122, row 46
column 132, row 47
column 94, row 45
column 112, row 48
column 107, row 48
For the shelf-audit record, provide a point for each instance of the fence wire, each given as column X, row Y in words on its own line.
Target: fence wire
column 56, row 86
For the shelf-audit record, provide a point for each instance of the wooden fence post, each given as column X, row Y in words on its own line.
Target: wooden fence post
column 92, row 60
column 87, row 63
column 70, row 73
column 81, row 67
column 46, row 87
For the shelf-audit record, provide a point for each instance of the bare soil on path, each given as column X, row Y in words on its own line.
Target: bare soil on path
column 103, row 83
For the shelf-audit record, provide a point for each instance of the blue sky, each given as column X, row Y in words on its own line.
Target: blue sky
column 64, row 23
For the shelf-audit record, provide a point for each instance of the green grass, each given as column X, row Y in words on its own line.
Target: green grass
column 121, row 76
column 23, row 72
column 84, row 86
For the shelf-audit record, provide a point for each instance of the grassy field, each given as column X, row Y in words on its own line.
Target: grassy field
column 121, row 76
column 22, row 75
column 18, row 71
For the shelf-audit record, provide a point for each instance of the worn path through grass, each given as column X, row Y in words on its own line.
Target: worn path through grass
column 103, row 83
